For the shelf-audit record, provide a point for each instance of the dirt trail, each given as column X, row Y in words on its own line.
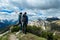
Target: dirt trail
column 13, row 37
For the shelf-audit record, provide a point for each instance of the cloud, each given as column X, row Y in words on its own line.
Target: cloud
column 6, row 16
column 41, row 7
column 9, row 11
column 34, row 4
column 34, row 8
column 51, row 12
column 30, row 4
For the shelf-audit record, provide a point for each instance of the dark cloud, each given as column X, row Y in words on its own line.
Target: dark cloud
column 34, row 4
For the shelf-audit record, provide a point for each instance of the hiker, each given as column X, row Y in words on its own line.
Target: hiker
column 25, row 22
column 20, row 20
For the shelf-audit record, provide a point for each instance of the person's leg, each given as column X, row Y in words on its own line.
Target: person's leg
column 21, row 26
column 25, row 28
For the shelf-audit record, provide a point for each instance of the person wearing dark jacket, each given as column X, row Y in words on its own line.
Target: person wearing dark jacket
column 25, row 22
column 20, row 20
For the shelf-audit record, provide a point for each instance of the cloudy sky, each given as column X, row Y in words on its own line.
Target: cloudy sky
column 9, row 9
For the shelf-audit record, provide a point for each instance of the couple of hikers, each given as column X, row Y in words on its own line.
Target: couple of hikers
column 23, row 21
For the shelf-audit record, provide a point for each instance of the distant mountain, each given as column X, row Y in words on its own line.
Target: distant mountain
column 55, row 25
column 52, row 19
column 5, row 24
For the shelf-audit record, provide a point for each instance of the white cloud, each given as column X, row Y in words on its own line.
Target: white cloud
column 31, row 4
column 51, row 12
column 34, row 8
column 7, row 16
column 34, row 4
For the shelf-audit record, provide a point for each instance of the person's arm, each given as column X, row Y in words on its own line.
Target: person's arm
column 18, row 20
column 27, row 19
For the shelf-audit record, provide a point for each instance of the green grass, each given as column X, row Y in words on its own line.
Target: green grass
column 5, row 37
column 30, row 36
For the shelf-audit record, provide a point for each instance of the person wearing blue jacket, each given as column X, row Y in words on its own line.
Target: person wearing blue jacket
column 20, row 20
column 25, row 22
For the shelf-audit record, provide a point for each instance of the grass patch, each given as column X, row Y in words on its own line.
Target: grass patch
column 29, row 36
column 5, row 37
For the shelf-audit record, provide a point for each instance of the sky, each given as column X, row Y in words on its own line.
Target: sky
column 9, row 9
